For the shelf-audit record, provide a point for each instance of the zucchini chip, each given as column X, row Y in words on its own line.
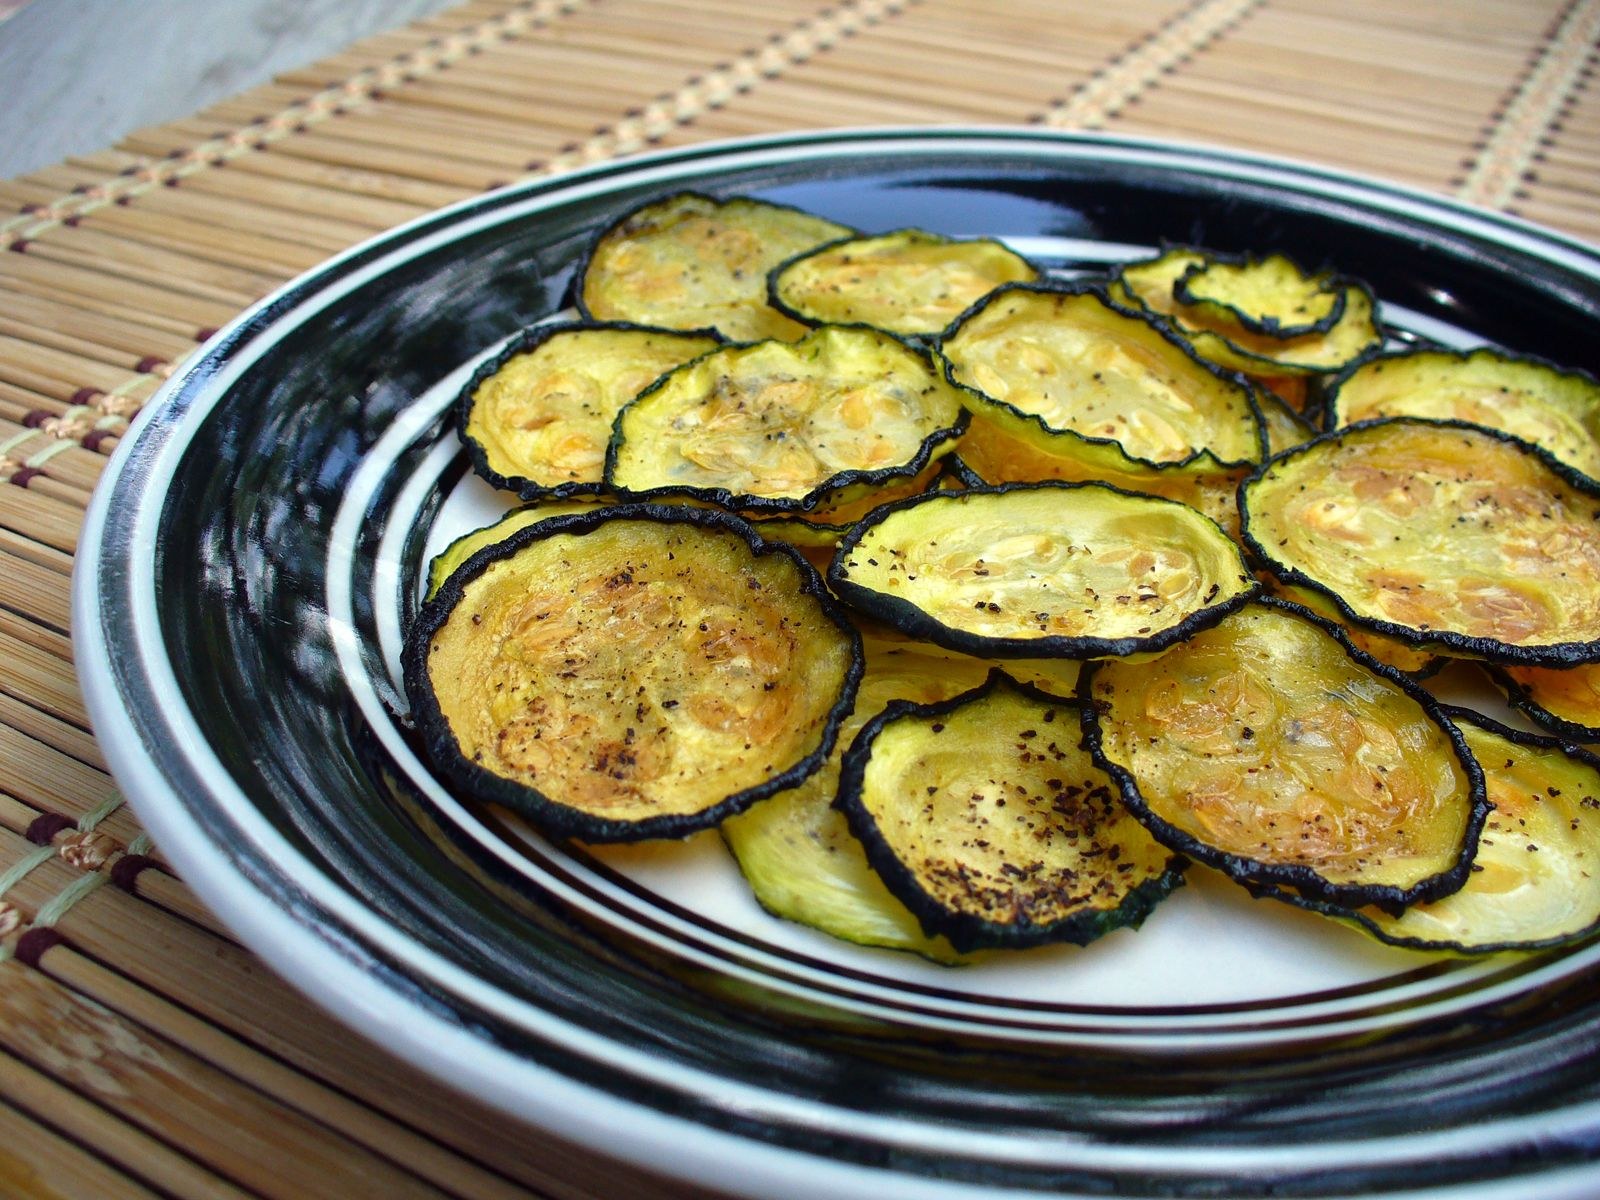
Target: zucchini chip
column 452, row 557
column 691, row 262
column 1270, row 297
column 987, row 819
column 1088, row 371
column 1043, row 570
column 1528, row 398
column 1270, row 748
column 826, row 527
column 796, row 850
column 1000, row 447
column 907, row 282
column 640, row 671
column 1565, row 701
column 779, row 427
column 536, row 418
column 1439, row 534
column 1533, row 884
column 1152, row 285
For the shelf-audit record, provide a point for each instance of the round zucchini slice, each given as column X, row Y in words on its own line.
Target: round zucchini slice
column 1000, row 448
column 1042, row 570
column 640, row 671
column 907, row 282
column 454, row 556
column 796, row 850
column 1533, row 883
column 780, row 427
column 1528, row 398
column 988, row 820
column 688, row 261
column 1152, row 284
column 1086, row 370
column 1565, row 701
column 1439, row 534
column 1272, row 749
column 537, row 417
column 1271, row 297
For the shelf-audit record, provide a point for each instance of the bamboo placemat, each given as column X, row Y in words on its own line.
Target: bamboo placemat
column 142, row 1051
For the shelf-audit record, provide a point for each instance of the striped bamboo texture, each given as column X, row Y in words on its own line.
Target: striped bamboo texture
column 142, row 1051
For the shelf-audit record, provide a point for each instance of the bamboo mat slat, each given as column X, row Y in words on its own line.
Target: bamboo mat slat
column 142, row 1051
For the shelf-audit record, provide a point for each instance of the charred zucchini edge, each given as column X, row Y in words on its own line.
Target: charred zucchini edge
column 964, row 931
column 910, row 619
column 1520, row 698
column 1161, row 327
column 1461, row 645
column 526, row 342
column 551, row 815
column 1257, row 876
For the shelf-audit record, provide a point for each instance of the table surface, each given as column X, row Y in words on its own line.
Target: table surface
column 142, row 1050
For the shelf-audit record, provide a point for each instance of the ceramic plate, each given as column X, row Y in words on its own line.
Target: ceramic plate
column 252, row 559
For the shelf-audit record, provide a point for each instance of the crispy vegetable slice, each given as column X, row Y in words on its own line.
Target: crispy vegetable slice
column 1439, row 534
column 1564, row 700
column 1049, row 569
column 788, row 427
column 640, row 671
column 1151, row 286
column 987, row 819
column 908, row 281
column 795, row 848
column 1272, row 749
column 452, row 557
column 688, row 261
column 1000, row 447
column 1528, row 398
column 1086, row 370
column 1533, row 884
column 537, row 417
column 1271, row 296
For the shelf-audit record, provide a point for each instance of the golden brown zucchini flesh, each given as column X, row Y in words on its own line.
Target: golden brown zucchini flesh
column 908, row 281
column 788, row 427
column 1391, row 652
column 1000, row 447
column 796, row 850
column 640, row 671
column 988, row 820
column 1439, row 534
column 1271, row 296
column 1533, row 884
column 1083, row 368
column 1563, row 700
column 692, row 262
column 1152, row 285
column 452, row 557
column 1042, row 570
column 1536, row 401
column 1271, row 749
column 536, row 419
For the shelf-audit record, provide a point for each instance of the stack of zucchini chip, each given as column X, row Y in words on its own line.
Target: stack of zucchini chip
column 1084, row 598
